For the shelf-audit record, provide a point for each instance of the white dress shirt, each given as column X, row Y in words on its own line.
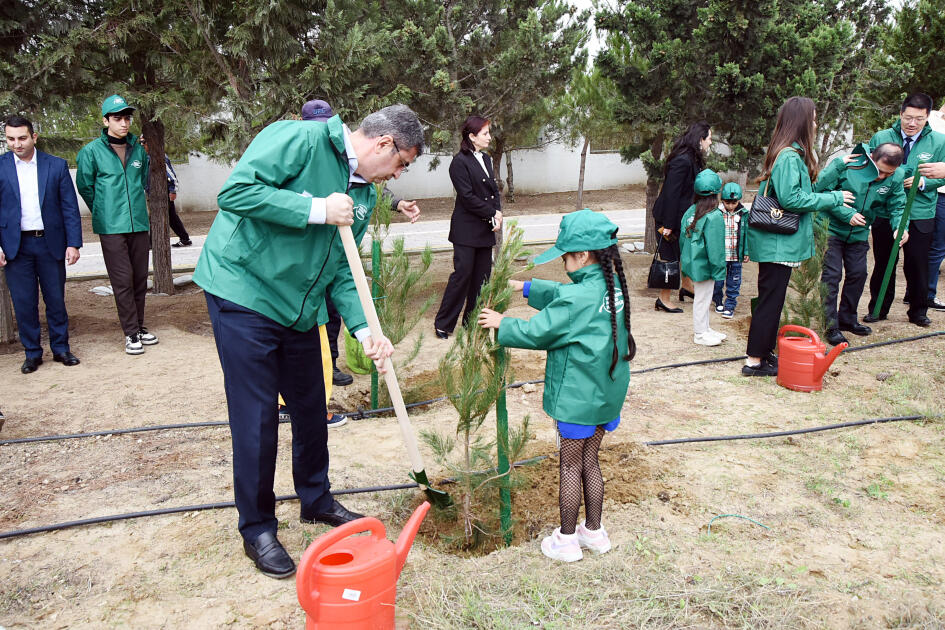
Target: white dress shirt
column 31, row 215
column 482, row 162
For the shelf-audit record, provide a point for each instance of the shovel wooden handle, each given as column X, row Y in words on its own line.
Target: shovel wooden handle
column 374, row 325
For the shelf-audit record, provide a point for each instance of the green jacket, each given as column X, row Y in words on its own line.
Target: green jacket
column 930, row 147
column 877, row 199
column 790, row 183
column 261, row 251
column 573, row 325
column 702, row 253
column 114, row 193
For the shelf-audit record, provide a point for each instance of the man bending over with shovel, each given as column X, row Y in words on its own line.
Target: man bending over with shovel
column 269, row 256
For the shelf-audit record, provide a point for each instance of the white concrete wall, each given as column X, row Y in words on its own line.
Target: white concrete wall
column 552, row 169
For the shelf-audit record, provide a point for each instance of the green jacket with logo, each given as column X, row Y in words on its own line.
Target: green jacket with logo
column 790, row 184
column 702, row 253
column 114, row 193
column 885, row 198
column 261, row 251
column 573, row 326
column 930, row 147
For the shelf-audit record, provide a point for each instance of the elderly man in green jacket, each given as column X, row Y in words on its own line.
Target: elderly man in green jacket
column 272, row 251
column 919, row 144
column 111, row 175
column 877, row 183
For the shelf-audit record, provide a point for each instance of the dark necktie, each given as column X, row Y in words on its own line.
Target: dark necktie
column 906, row 147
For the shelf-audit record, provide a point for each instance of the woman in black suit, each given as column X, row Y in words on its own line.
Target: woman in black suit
column 686, row 158
column 477, row 215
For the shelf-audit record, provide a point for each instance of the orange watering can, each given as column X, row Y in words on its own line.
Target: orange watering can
column 348, row 581
column 801, row 360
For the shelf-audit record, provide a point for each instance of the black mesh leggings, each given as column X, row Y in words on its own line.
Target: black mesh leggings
column 579, row 467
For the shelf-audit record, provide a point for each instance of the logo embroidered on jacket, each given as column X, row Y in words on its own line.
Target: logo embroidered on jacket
column 136, row 164
column 618, row 302
column 360, row 211
column 925, row 156
column 883, row 190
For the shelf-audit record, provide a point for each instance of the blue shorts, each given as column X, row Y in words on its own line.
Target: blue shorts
column 571, row 431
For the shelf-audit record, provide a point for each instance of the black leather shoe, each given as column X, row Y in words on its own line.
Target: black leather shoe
column 340, row 378
column 771, row 359
column 857, row 329
column 66, row 358
column 441, row 334
column 834, row 337
column 762, row 369
column 270, row 556
column 869, row 319
column 684, row 293
column 659, row 306
column 337, row 515
column 920, row 320
column 29, row 366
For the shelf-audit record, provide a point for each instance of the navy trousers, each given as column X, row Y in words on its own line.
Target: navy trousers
column 34, row 263
column 261, row 358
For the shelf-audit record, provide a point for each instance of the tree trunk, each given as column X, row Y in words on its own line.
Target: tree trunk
column 7, row 330
column 652, row 192
column 580, row 190
column 497, row 162
column 510, row 184
column 153, row 130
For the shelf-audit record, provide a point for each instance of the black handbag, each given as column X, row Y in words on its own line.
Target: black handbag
column 767, row 215
column 664, row 274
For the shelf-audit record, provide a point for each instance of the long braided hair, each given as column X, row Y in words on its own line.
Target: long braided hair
column 609, row 259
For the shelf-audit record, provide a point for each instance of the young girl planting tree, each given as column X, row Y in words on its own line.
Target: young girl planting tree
column 585, row 328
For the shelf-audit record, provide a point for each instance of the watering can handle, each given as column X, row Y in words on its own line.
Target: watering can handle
column 305, row 579
column 807, row 332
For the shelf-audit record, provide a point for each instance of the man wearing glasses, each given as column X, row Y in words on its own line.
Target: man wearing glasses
column 272, row 252
column 919, row 144
column 111, row 174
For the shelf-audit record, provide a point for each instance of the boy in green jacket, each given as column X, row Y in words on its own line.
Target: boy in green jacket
column 111, row 174
column 919, row 143
column 272, row 251
column 877, row 183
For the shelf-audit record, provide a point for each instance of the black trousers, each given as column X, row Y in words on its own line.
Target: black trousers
column 882, row 247
column 126, row 261
column 915, row 265
column 847, row 261
column 471, row 267
column 773, row 282
column 176, row 224
column 333, row 327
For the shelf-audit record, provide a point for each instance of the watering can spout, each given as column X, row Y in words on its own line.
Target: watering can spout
column 822, row 363
column 405, row 540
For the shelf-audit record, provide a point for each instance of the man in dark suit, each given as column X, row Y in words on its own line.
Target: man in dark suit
column 39, row 229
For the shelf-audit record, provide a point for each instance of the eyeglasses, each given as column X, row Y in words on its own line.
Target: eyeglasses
column 914, row 119
column 404, row 165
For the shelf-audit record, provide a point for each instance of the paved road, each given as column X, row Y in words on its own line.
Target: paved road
column 538, row 228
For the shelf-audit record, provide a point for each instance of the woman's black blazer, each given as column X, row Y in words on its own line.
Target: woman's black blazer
column 676, row 194
column 477, row 201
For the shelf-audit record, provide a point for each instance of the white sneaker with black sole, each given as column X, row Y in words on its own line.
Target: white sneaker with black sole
column 145, row 337
column 133, row 344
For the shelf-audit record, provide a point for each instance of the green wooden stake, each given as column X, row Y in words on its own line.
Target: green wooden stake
column 891, row 265
column 502, row 448
column 375, row 265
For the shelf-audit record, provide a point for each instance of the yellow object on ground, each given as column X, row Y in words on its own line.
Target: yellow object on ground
column 327, row 370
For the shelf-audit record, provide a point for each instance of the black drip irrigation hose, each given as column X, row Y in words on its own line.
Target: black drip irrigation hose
column 361, row 414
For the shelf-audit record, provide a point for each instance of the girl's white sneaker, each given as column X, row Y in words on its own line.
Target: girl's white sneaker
column 706, row 339
column 722, row 336
column 595, row 540
column 562, row 547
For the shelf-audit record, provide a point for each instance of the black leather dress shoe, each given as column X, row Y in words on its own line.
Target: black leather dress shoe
column 337, row 515
column 771, row 359
column 869, row 319
column 659, row 306
column 66, row 358
column 920, row 320
column 857, row 329
column 270, row 556
column 340, row 378
column 684, row 293
column 834, row 337
column 441, row 334
column 29, row 366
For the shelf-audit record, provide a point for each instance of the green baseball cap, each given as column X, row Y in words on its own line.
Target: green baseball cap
column 114, row 104
column 707, row 183
column 581, row 231
column 731, row 192
column 862, row 170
